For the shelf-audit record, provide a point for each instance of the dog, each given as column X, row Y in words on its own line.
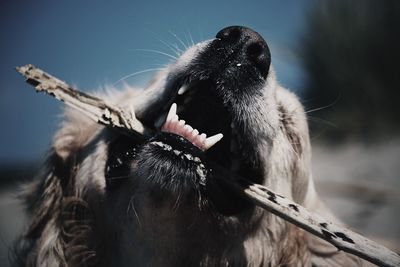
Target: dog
column 104, row 198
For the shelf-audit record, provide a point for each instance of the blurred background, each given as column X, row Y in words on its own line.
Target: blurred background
column 341, row 58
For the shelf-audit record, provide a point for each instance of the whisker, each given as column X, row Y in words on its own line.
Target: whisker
column 158, row 52
column 176, row 205
column 313, row 137
column 172, row 47
column 324, row 107
column 316, row 109
column 131, row 204
column 177, row 48
column 186, row 39
column 159, row 65
column 179, row 40
column 315, row 119
column 135, row 73
column 191, row 38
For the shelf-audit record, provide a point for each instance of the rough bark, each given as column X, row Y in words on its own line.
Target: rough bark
column 93, row 107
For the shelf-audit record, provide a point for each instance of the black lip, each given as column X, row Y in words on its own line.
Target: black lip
column 178, row 143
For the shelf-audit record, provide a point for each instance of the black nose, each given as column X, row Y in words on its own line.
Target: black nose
column 252, row 46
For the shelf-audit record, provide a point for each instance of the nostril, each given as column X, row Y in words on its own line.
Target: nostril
column 230, row 34
column 244, row 44
column 254, row 50
column 259, row 54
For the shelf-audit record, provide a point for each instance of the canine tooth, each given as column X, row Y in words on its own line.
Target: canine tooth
column 182, row 90
column 212, row 140
column 166, row 126
column 172, row 112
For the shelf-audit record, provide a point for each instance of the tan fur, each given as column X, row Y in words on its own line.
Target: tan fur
column 64, row 231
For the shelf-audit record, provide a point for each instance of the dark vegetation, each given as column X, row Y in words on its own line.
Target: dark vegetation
column 351, row 52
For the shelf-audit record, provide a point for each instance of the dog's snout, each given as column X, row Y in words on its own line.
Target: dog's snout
column 248, row 44
column 230, row 34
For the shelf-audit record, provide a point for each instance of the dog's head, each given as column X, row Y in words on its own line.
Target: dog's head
column 221, row 88
column 165, row 195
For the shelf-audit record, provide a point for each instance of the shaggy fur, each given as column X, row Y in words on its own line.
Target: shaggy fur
column 103, row 199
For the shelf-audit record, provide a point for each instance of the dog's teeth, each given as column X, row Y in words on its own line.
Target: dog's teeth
column 182, row 90
column 174, row 125
column 180, row 130
column 212, row 140
column 188, row 129
column 194, row 136
column 172, row 112
column 203, row 137
column 189, row 136
column 198, row 142
column 166, row 126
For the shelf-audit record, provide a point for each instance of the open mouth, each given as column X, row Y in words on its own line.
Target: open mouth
column 174, row 125
column 199, row 116
column 198, row 132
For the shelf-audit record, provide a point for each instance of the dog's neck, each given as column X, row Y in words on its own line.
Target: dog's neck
column 273, row 242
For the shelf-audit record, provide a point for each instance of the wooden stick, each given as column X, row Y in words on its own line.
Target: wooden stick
column 342, row 238
column 93, row 107
column 261, row 196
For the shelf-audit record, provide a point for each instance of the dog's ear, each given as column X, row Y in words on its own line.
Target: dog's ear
column 54, row 226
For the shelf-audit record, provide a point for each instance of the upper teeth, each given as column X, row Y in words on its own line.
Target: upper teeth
column 182, row 90
column 174, row 125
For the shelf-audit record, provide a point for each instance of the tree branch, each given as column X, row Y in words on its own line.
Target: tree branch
column 112, row 116
column 93, row 107
column 339, row 236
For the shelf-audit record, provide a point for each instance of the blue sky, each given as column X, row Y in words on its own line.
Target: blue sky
column 93, row 43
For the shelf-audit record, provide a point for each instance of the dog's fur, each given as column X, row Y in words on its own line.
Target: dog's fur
column 157, row 213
